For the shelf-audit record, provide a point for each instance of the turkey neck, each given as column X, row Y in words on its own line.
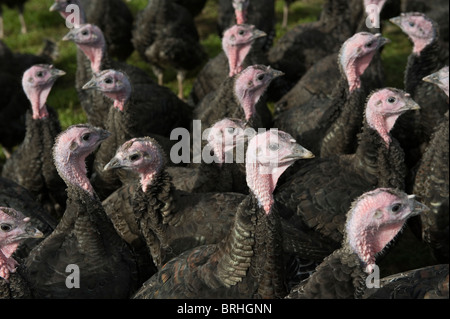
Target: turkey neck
column 382, row 164
column 422, row 64
column 152, row 210
column 341, row 137
column 340, row 18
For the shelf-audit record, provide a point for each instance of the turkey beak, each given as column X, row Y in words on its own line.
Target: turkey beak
column 383, row 41
column 397, row 20
column 56, row 73
column 91, row 85
column 258, row 34
column 55, row 7
column 410, row 104
column 69, row 36
column 113, row 164
column 104, row 134
column 299, row 152
column 276, row 73
column 32, row 232
column 432, row 78
column 417, row 207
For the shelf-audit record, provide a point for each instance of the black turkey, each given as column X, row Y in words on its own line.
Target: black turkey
column 431, row 182
column 84, row 237
column 320, row 191
column 372, row 223
column 165, row 35
column 31, row 165
column 335, row 117
column 113, row 17
column 248, row 262
column 135, row 110
column 237, row 44
column 14, row 229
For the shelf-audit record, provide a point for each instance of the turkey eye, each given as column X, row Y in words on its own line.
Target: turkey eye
column 230, row 130
column 391, row 100
column 274, row 147
column 40, row 74
column 241, row 32
column 411, row 24
column 368, row 45
column 134, row 157
column 86, row 137
column 108, row 81
column 260, row 77
column 84, row 32
column 6, row 227
column 396, row 208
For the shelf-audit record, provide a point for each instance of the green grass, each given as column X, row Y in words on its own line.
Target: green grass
column 44, row 24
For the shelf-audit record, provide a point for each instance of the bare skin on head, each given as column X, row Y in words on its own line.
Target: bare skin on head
column 237, row 42
column 440, row 79
column 251, row 85
column 14, row 228
column 37, row 83
column 89, row 38
column 375, row 219
column 419, row 28
column 384, row 107
column 70, row 151
column 113, row 84
column 356, row 54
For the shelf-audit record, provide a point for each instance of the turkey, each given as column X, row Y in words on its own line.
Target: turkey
column 239, row 97
column 14, row 229
column 319, row 192
column 247, row 263
column 301, row 47
column 237, row 42
column 31, row 165
column 372, row 222
column 429, row 282
column 165, row 35
column 113, row 17
column 85, row 242
column 137, row 110
column 19, row 198
column 260, row 13
column 436, row 10
column 428, row 56
column 224, row 138
column 20, row 5
column 13, row 101
column 169, row 220
column 92, row 59
column 431, row 182
column 319, row 121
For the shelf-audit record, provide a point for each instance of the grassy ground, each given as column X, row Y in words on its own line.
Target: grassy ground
column 43, row 24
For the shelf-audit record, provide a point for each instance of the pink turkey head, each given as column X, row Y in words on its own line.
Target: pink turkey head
column 71, row 148
column 251, row 84
column 269, row 154
column 384, row 108
column 64, row 9
column 113, row 84
column 37, row 83
column 143, row 155
column 226, row 135
column 374, row 220
column 89, row 38
column 14, row 228
column 237, row 42
column 440, row 79
column 420, row 29
column 356, row 54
